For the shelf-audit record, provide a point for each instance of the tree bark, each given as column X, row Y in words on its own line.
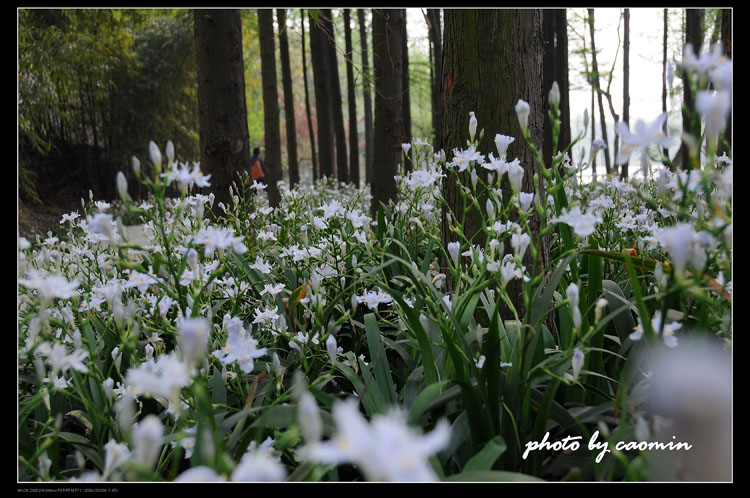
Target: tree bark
column 597, row 89
column 626, row 79
column 406, row 102
column 315, row 174
column 272, row 165
column 435, row 34
column 334, row 87
column 506, row 48
column 222, row 112
column 352, row 98
column 555, row 27
column 693, row 36
column 286, row 78
column 322, row 100
column 386, row 41
column 366, row 82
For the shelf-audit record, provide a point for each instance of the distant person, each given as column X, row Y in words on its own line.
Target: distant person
column 257, row 171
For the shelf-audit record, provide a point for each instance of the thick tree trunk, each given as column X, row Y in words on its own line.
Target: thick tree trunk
column 505, row 47
column 555, row 26
column 352, row 98
column 315, row 174
column 406, row 102
column 386, row 41
column 597, row 89
column 435, row 35
column 322, row 100
column 334, row 87
column 693, row 36
column 270, row 105
column 222, row 112
column 366, row 82
column 286, row 78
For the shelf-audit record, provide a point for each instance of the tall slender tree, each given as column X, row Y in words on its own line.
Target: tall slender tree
column 626, row 80
column 222, row 112
column 307, row 100
column 386, row 44
column 289, row 119
column 434, row 32
column 555, row 32
column 352, row 99
column 597, row 89
column 481, row 46
column 322, row 99
column 366, row 82
column 334, row 87
column 272, row 164
column 405, row 100
column 664, row 93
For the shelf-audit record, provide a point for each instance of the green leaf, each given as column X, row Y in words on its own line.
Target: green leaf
column 486, row 458
column 425, row 398
column 378, row 359
column 618, row 304
column 491, row 476
column 543, row 296
column 218, row 388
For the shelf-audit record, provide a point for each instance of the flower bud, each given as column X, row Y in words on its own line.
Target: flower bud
column 522, row 111
column 136, row 166
column 554, row 95
column 331, row 348
column 472, row 126
column 577, row 362
column 308, row 418
column 122, row 186
column 170, row 151
column 453, row 250
column 490, row 209
column 155, row 154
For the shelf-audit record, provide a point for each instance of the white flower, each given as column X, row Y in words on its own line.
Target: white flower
column 166, row 377
column 509, row 271
column 678, row 241
column 147, row 440
column 502, row 142
column 201, row 473
column 462, row 158
column 714, row 107
column 267, row 315
column 525, row 199
column 515, row 174
column 453, row 250
column 572, row 295
column 577, row 362
column 374, row 298
column 259, row 466
column 331, row 348
column 192, row 337
column 520, row 243
column 272, row 290
column 644, row 137
column 385, row 449
column 406, row 148
column 240, row 347
column 116, row 454
column 308, row 418
column 472, row 126
column 219, row 238
column 49, row 287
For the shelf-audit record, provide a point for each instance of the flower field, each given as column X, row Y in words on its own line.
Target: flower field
column 314, row 342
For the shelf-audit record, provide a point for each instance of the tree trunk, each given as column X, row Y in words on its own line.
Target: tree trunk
column 322, row 100
column 506, row 48
column 387, row 31
column 435, row 34
column 286, row 78
column 626, row 80
column 405, row 102
column 334, row 87
column 307, row 101
column 664, row 94
column 555, row 28
column 597, row 89
column 726, row 43
column 352, row 98
column 270, row 105
column 693, row 36
column 366, row 82
column 222, row 113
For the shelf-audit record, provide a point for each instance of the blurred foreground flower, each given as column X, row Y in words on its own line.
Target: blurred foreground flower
column 385, row 449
